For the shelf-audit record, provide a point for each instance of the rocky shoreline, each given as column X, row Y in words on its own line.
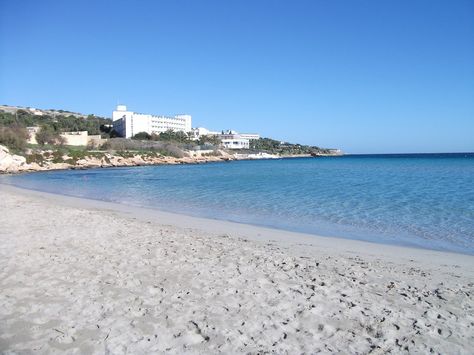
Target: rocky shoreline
column 52, row 160
column 14, row 164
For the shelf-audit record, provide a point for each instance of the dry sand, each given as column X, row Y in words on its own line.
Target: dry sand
column 81, row 276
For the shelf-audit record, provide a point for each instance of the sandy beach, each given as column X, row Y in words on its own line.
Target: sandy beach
column 83, row 276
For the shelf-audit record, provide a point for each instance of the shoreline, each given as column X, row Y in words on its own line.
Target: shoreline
column 86, row 276
column 139, row 211
column 11, row 164
column 185, row 162
column 250, row 231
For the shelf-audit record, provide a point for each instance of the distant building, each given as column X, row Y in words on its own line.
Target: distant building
column 197, row 133
column 249, row 136
column 230, row 134
column 236, row 143
column 127, row 123
column 229, row 139
column 233, row 140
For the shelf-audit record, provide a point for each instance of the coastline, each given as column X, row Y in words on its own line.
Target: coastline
column 15, row 164
column 400, row 253
column 92, row 276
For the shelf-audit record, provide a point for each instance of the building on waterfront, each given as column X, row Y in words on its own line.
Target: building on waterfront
column 230, row 134
column 233, row 140
column 229, row 139
column 235, row 143
column 127, row 123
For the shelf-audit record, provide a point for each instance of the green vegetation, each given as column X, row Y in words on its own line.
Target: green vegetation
column 47, row 135
column 121, row 145
column 71, row 154
column 142, row 136
column 59, row 154
column 273, row 146
column 209, row 140
column 94, row 125
column 180, row 139
column 13, row 134
column 14, row 137
column 35, row 158
column 168, row 136
column 214, row 153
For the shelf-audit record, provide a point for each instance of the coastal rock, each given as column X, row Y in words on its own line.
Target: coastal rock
column 10, row 163
column 42, row 160
column 89, row 162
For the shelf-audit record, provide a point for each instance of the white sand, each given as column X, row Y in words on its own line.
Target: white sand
column 92, row 277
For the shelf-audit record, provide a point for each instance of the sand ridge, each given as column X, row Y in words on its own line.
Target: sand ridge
column 93, row 281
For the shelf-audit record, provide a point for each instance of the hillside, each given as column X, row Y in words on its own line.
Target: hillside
column 42, row 112
column 56, row 120
column 51, row 152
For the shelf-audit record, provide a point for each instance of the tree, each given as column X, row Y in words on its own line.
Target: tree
column 47, row 135
column 114, row 134
column 211, row 139
column 13, row 137
column 64, row 122
column 172, row 136
column 142, row 136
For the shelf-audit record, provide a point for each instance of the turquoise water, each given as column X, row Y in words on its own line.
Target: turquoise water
column 418, row 200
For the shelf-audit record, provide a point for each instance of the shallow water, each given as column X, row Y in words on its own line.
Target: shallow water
column 418, row 200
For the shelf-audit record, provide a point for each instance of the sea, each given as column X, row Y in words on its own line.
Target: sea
column 417, row 200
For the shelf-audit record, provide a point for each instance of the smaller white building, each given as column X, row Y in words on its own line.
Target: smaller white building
column 250, row 136
column 233, row 140
column 235, row 143
column 231, row 134
column 197, row 133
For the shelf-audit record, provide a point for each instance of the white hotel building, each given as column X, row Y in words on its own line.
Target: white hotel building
column 234, row 140
column 128, row 123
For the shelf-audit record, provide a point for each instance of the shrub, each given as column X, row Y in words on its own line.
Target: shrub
column 171, row 136
column 35, row 158
column 47, row 135
column 13, row 137
column 209, row 140
column 122, row 144
column 142, row 136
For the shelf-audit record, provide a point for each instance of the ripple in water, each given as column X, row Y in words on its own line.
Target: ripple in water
column 418, row 200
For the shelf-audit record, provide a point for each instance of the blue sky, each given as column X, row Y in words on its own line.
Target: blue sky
column 364, row 76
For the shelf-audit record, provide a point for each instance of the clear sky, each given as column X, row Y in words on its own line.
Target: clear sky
column 365, row 76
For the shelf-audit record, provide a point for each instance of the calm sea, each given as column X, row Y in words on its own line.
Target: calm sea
column 423, row 200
